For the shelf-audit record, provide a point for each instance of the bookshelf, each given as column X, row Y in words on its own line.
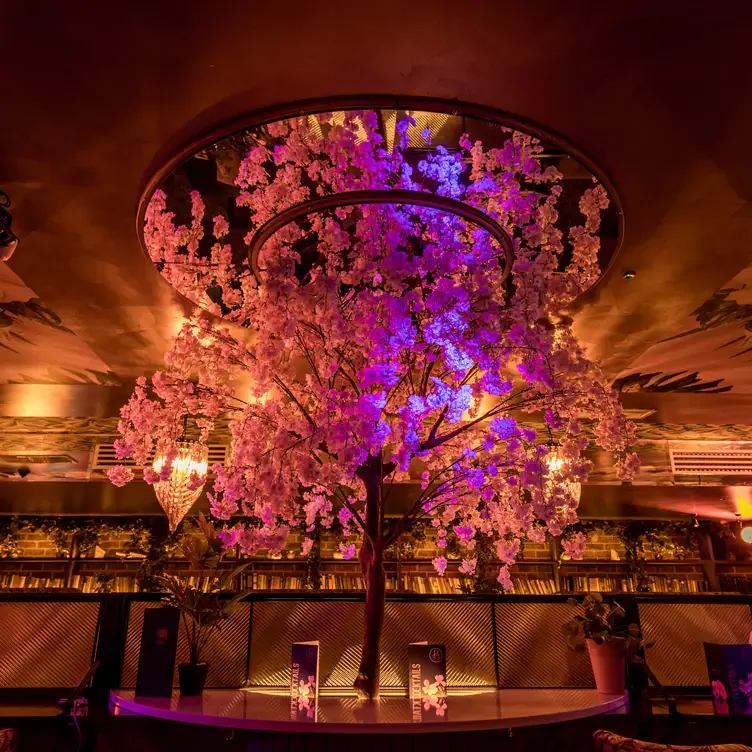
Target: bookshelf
column 542, row 570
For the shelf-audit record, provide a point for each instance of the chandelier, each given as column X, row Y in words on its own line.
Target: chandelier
column 556, row 463
column 188, row 464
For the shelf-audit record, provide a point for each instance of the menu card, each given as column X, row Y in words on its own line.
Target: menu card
column 427, row 680
column 304, row 681
column 159, row 643
column 730, row 672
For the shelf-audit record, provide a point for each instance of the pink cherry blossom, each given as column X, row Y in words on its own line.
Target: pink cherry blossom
column 505, row 578
column 120, row 475
column 440, row 564
column 468, row 566
column 507, row 551
column 574, row 546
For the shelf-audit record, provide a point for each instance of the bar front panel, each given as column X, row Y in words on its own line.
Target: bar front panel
column 46, row 644
column 226, row 652
column 679, row 630
column 531, row 648
column 337, row 625
column 465, row 629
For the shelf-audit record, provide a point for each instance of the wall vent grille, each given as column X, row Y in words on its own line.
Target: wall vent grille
column 36, row 459
column 716, row 458
column 103, row 457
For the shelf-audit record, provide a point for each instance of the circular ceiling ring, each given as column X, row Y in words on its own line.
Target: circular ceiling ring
column 386, row 196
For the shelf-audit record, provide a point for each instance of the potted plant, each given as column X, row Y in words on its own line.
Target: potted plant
column 204, row 606
column 610, row 642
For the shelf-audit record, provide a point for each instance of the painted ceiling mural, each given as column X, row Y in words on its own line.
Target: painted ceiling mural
column 711, row 355
column 36, row 347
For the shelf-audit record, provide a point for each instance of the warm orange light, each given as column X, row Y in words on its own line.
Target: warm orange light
column 742, row 500
column 177, row 493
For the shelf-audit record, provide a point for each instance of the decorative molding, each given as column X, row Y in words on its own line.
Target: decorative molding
column 692, row 432
column 44, row 426
column 14, row 428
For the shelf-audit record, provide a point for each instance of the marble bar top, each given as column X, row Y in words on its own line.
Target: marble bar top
column 496, row 709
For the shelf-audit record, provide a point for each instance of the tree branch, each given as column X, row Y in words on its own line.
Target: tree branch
column 289, row 393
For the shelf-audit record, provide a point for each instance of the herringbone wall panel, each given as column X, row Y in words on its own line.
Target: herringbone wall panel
column 465, row 628
column 532, row 652
column 679, row 629
column 277, row 624
column 226, row 652
column 46, row 644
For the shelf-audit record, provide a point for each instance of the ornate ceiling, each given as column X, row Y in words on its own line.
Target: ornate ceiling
column 103, row 95
column 712, row 354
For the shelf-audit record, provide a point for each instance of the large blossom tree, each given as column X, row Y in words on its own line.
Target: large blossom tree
column 379, row 342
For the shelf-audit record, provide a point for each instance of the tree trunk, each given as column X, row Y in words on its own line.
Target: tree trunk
column 371, row 563
column 372, row 566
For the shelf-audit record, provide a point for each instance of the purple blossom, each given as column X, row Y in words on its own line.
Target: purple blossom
column 464, row 533
column 468, row 567
column 505, row 428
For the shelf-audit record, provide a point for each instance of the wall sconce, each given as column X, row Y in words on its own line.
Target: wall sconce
column 8, row 241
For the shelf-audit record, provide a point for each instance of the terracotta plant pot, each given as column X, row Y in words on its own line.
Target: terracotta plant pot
column 607, row 660
column 192, row 678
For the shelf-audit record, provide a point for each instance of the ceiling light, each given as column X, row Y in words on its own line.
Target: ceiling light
column 183, row 481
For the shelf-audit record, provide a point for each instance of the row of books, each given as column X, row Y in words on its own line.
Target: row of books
column 656, row 583
column 97, row 584
column 433, row 585
column 735, row 583
column 93, row 583
column 534, row 586
column 597, row 584
column 258, row 581
column 660, row 583
column 25, row 582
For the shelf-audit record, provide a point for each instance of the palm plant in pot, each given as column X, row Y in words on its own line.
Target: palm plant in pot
column 204, row 606
column 602, row 631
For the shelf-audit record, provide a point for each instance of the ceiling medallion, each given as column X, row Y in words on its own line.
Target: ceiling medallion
column 198, row 264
